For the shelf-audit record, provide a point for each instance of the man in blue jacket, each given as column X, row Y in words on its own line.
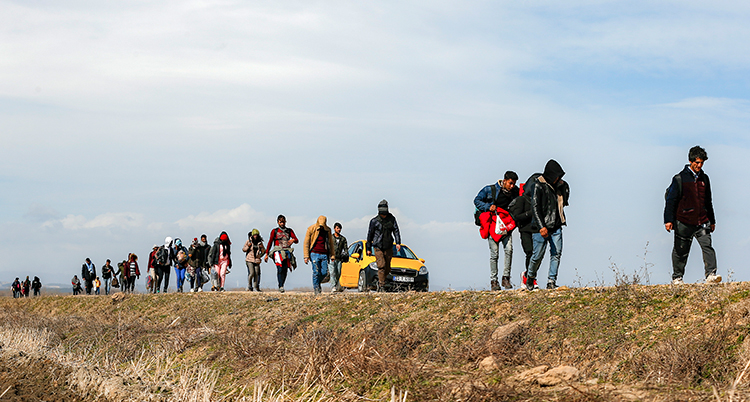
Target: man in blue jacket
column 490, row 198
column 689, row 210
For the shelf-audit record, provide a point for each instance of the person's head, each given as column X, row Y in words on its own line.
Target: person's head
column 178, row 242
column 224, row 238
column 88, row 260
column 36, row 278
column 27, row 277
column 255, row 234
column 322, row 221
column 509, row 180
column 204, row 238
column 281, row 221
column 97, row 278
column 553, row 172
column 697, row 156
column 74, row 277
column 337, row 228
column 108, row 262
column 156, row 247
column 167, row 241
column 383, row 208
column 133, row 257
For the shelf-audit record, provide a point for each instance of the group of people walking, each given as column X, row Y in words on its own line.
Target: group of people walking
column 22, row 288
column 536, row 208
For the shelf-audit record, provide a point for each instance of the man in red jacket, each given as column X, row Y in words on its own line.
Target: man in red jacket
column 689, row 210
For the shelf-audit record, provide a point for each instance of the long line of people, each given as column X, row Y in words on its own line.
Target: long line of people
column 22, row 288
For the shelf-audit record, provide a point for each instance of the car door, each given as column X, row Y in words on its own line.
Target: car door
column 350, row 269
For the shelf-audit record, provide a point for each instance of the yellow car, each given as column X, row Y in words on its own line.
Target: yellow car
column 408, row 272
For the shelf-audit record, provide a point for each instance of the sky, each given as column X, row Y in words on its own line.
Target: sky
column 126, row 122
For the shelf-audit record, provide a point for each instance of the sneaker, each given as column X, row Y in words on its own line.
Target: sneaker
column 678, row 281
column 316, row 291
column 523, row 279
column 531, row 284
column 506, row 282
column 281, row 289
column 257, row 289
column 200, row 289
column 494, row 285
column 551, row 284
column 713, row 278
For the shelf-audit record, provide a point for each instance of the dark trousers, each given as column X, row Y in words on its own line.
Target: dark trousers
column 683, row 239
column 165, row 274
column 281, row 271
column 89, row 285
column 528, row 246
column 383, row 259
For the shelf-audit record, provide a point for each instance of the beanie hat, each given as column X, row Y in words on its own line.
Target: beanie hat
column 224, row 237
column 383, row 207
column 255, row 232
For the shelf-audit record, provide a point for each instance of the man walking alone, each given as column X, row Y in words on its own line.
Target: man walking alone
column 689, row 211
column 490, row 198
column 382, row 234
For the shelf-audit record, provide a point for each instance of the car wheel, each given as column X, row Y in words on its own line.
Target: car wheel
column 362, row 282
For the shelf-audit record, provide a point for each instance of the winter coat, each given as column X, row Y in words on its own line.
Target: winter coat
column 36, row 284
column 175, row 251
column 340, row 248
column 312, row 234
column 213, row 254
column 691, row 203
column 548, row 200
column 198, row 255
column 126, row 269
column 254, row 251
column 483, row 201
column 520, row 210
column 383, row 232
column 279, row 237
column 86, row 275
column 489, row 221
column 107, row 271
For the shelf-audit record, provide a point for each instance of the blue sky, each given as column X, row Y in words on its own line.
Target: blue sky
column 126, row 122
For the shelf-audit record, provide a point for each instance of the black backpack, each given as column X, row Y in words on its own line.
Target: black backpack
column 678, row 178
column 162, row 256
column 478, row 212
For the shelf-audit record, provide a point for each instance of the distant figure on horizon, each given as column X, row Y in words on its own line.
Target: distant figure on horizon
column 97, row 285
column 76, row 285
column 490, row 198
column 689, row 211
column 163, row 262
column 152, row 267
column 550, row 194
column 107, row 273
column 341, row 251
column 132, row 272
column 36, row 285
column 16, row 288
column 26, row 287
column 180, row 260
column 382, row 235
column 220, row 258
column 280, row 248
column 88, row 273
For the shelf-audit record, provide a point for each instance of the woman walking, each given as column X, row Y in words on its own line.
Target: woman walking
column 254, row 252
column 131, row 273
column 220, row 257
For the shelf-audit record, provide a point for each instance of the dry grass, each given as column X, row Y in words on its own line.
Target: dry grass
column 415, row 347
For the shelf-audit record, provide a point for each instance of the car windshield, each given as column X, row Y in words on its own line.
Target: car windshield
column 404, row 253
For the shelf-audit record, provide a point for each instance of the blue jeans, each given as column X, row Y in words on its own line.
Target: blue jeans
column 335, row 274
column 507, row 241
column 319, row 269
column 180, row 272
column 555, row 241
column 107, row 285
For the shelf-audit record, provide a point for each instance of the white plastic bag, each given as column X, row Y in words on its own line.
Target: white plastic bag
column 500, row 228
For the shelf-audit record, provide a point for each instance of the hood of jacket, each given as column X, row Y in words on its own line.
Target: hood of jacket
column 553, row 171
column 322, row 221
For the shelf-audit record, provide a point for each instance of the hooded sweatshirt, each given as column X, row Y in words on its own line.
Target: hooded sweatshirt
column 549, row 198
column 313, row 240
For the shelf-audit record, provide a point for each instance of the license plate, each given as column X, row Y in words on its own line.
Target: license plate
column 403, row 279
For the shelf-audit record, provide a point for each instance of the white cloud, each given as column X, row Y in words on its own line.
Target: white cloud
column 710, row 103
column 122, row 220
column 243, row 215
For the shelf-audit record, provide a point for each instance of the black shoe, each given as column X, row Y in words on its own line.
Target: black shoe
column 551, row 284
column 531, row 284
column 494, row 285
column 506, row 282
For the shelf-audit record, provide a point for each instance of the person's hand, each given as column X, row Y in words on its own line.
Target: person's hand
column 306, row 260
column 369, row 253
column 493, row 208
column 713, row 227
column 544, row 232
column 668, row 226
column 398, row 247
column 266, row 258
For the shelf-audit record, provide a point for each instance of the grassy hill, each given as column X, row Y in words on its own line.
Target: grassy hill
column 620, row 343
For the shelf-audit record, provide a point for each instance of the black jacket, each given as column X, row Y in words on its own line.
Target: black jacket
column 689, row 200
column 86, row 275
column 520, row 210
column 548, row 199
column 383, row 232
column 213, row 253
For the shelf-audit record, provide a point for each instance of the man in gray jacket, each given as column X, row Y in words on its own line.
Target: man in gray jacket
column 382, row 234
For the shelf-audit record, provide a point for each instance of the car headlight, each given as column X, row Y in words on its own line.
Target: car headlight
column 374, row 266
column 423, row 270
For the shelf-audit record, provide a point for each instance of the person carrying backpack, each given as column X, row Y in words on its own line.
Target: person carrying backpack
column 689, row 211
column 280, row 247
column 163, row 262
column 76, row 285
column 36, row 286
column 180, row 254
column 490, row 198
column 254, row 251
column 220, row 258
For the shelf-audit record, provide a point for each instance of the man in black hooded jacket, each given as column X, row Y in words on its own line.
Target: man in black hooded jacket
column 548, row 197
